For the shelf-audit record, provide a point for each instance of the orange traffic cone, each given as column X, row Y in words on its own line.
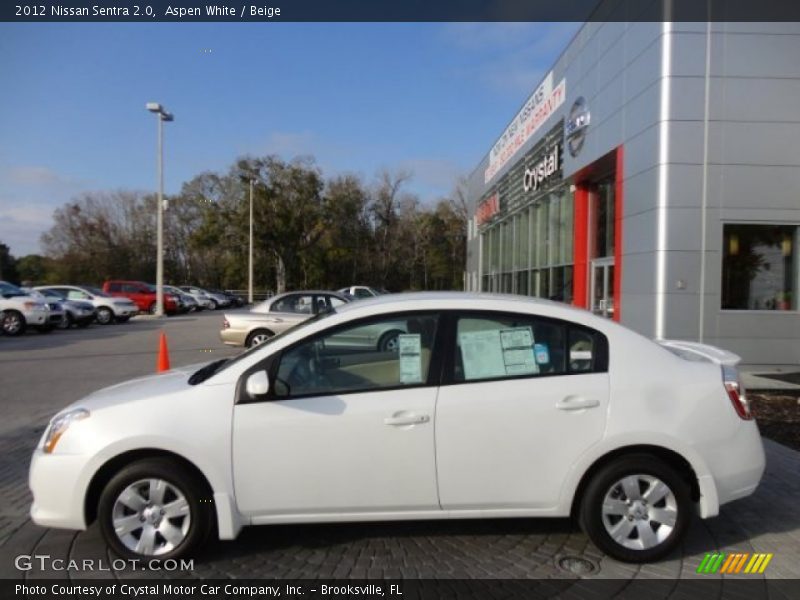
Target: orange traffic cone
column 162, row 364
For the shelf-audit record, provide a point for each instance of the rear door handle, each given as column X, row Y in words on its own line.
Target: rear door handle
column 576, row 403
column 406, row 419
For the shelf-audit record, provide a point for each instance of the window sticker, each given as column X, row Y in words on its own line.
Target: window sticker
column 518, row 351
column 410, row 350
column 481, row 354
column 542, row 353
column 580, row 355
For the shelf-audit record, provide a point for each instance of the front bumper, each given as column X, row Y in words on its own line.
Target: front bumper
column 126, row 310
column 36, row 317
column 57, row 496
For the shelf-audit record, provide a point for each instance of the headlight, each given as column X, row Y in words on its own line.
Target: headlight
column 60, row 424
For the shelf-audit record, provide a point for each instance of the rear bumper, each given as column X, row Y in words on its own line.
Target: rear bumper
column 737, row 466
column 232, row 337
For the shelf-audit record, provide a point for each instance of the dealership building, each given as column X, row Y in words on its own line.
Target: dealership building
column 653, row 177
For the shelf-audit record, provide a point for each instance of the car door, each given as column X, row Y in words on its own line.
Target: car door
column 528, row 396
column 340, row 432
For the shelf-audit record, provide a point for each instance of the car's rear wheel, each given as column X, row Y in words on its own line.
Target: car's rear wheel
column 389, row 341
column 155, row 509
column 636, row 509
column 214, row 305
column 13, row 323
column 258, row 337
column 104, row 315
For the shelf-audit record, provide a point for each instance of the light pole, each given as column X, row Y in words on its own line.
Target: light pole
column 163, row 116
column 250, row 262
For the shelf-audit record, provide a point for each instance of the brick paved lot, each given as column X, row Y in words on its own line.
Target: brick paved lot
column 769, row 521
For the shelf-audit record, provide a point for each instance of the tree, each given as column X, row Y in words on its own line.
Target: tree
column 8, row 265
column 34, row 268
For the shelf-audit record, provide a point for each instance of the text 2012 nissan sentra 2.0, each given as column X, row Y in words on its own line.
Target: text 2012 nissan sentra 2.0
column 488, row 406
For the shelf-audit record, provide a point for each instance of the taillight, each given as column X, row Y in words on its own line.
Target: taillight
column 736, row 392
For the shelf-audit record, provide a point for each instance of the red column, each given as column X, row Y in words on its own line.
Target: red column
column 618, row 205
column 580, row 247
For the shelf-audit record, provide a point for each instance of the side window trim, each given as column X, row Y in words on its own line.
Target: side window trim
column 452, row 317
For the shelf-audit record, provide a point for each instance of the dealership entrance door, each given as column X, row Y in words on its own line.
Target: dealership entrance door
column 602, row 291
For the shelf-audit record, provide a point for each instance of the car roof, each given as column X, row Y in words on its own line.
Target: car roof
column 478, row 301
column 312, row 292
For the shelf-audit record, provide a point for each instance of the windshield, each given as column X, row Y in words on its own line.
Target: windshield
column 220, row 365
column 9, row 291
column 97, row 292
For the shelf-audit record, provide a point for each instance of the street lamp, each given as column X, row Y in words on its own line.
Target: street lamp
column 163, row 116
column 250, row 261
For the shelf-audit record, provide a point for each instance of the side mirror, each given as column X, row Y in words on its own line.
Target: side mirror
column 257, row 384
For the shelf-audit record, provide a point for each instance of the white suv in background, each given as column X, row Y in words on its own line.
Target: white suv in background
column 109, row 309
column 18, row 310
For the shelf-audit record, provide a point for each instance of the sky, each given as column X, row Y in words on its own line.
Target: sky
column 421, row 97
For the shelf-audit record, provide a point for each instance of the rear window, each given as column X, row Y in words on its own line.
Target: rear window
column 498, row 346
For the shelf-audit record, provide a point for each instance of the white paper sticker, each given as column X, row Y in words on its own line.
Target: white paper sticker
column 410, row 350
column 481, row 354
column 497, row 353
column 518, row 351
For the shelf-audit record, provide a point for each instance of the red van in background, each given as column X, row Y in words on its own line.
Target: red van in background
column 142, row 294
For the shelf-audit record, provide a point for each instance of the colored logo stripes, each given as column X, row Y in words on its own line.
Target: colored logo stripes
column 737, row 562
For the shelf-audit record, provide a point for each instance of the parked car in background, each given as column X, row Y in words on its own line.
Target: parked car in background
column 57, row 312
column 142, row 294
column 214, row 301
column 495, row 406
column 234, row 299
column 203, row 300
column 75, row 312
column 185, row 301
column 107, row 308
column 18, row 310
column 275, row 315
column 360, row 291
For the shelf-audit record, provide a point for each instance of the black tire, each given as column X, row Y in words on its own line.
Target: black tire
column 388, row 341
column 593, row 522
column 123, row 319
column 201, row 506
column 66, row 322
column 105, row 316
column 14, row 323
column 214, row 304
column 254, row 334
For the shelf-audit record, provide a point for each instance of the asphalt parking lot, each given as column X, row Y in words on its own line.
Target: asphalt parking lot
column 42, row 373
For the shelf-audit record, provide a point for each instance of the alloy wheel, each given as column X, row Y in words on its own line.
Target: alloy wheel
column 639, row 511
column 151, row 517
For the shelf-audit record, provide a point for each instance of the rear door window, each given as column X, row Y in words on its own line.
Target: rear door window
column 499, row 346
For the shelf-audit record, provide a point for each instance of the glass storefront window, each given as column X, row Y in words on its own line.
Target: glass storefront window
column 604, row 219
column 760, row 267
column 540, row 236
column 554, row 229
column 521, row 226
column 507, row 253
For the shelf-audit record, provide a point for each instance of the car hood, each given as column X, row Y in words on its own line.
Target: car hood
column 147, row 388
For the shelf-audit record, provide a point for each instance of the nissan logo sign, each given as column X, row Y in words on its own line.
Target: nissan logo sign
column 576, row 126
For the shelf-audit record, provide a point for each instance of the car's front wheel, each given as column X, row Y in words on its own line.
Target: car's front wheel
column 13, row 322
column 104, row 315
column 155, row 509
column 636, row 509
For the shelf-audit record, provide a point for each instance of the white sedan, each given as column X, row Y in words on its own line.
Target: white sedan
column 491, row 406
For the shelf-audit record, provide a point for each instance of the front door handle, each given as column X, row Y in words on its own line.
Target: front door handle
column 576, row 403
column 401, row 419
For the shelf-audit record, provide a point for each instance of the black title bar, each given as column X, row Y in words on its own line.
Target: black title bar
column 150, row 11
